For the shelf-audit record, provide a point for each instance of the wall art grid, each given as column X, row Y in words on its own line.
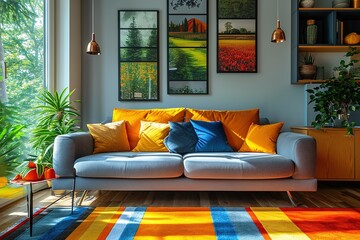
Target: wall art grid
column 237, row 36
column 138, row 55
column 188, row 47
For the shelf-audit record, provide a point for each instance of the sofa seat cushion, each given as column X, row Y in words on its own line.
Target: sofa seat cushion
column 130, row 165
column 237, row 166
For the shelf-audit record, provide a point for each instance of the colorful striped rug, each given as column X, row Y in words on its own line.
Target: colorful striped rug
column 192, row 223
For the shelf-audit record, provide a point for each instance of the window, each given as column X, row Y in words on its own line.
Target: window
column 22, row 49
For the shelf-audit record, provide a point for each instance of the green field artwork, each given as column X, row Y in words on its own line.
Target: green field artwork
column 187, row 64
column 245, row 9
column 188, row 47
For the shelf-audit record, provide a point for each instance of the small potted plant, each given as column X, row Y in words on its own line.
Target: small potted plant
column 308, row 69
column 337, row 97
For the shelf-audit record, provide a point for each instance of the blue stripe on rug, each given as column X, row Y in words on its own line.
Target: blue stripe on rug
column 64, row 224
column 234, row 223
column 49, row 221
column 128, row 223
column 222, row 224
column 243, row 224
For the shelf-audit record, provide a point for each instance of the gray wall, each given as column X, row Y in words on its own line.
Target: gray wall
column 269, row 89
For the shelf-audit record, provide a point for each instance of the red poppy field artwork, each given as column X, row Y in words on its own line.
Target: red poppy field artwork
column 236, row 36
column 237, row 55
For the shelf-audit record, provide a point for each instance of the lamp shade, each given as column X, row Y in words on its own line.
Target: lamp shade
column 278, row 35
column 93, row 47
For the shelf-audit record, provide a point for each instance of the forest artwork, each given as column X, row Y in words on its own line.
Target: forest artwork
column 138, row 55
column 236, row 38
column 187, row 47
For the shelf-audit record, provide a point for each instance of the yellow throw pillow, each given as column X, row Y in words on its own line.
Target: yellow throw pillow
column 152, row 136
column 132, row 117
column 110, row 137
column 262, row 138
column 235, row 123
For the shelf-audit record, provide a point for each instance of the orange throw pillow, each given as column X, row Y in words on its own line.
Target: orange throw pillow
column 152, row 137
column 166, row 115
column 133, row 117
column 110, row 137
column 262, row 138
column 235, row 123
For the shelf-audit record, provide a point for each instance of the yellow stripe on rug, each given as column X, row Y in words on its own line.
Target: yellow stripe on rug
column 278, row 225
column 176, row 223
column 96, row 222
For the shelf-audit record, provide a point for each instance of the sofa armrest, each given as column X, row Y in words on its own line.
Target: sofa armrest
column 68, row 148
column 302, row 150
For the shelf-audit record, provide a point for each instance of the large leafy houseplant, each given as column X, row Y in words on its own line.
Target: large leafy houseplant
column 337, row 97
column 57, row 116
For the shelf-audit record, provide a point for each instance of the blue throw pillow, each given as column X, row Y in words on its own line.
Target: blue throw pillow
column 211, row 137
column 182, row 138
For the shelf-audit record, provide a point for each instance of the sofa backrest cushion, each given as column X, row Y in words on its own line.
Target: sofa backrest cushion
column 182, row 138
column 235, row 123
column 262, row 138
column 211, row 137
column 152, row 135
column 110, row 137
column 133, row 117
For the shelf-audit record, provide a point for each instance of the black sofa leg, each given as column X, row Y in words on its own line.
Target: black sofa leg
column 291, row 198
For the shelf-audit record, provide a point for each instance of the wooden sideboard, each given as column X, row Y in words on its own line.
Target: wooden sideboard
column 338, row 154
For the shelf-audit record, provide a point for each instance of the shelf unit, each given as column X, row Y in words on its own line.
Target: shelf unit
column 333, row 25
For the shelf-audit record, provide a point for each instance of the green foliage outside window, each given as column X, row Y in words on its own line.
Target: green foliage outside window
column 22, row 48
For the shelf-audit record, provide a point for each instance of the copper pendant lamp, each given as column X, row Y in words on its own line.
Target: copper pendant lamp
column 278, row 35
column 93, row 47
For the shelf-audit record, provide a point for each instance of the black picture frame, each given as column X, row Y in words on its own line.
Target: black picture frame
column 187, row 47
column 236, row 36
column 138, row 51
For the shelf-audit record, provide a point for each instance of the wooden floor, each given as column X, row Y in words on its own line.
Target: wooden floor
column 329, row 194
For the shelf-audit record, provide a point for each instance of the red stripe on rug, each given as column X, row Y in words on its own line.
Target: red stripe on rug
column 326, row 223
column 17, row 226
column 258, row 224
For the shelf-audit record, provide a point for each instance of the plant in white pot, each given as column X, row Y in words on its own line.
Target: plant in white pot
column 337, row 97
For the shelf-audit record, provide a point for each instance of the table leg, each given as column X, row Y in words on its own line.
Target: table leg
column 30, row 205
column 73, row 197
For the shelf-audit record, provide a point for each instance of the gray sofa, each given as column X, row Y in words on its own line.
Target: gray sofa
column 291, row 169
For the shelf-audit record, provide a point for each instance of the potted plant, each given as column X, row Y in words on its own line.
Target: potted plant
column 57, row 116
column 336, row 98
column 308, row 69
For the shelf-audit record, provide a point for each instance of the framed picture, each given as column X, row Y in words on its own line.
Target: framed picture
column 138, row 55
column 236, row 36
column 188, row 47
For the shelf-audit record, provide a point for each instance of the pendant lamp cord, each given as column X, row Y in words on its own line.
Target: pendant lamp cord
column 92, row 15
column 277, row 10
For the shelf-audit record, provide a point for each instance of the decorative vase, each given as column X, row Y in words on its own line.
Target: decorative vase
column 311, row 31
column 307, row 71
column 307, row 3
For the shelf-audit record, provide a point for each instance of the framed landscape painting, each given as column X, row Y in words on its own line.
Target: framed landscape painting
column 236, row 36
column 187, row 47
column 138, row 55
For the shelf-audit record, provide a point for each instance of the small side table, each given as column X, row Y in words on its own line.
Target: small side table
column 29, row 197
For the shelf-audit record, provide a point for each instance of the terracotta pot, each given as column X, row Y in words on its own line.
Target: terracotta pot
column 307, row 71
